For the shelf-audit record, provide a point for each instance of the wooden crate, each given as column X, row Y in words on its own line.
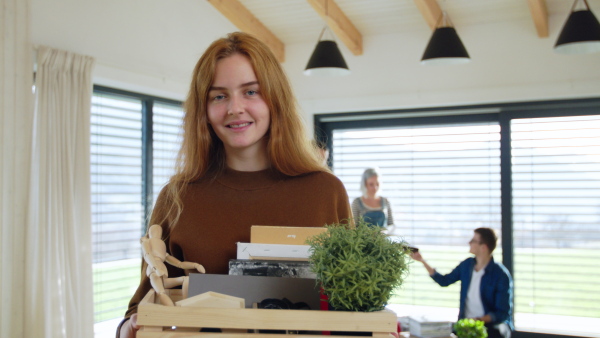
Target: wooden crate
column 157, row 320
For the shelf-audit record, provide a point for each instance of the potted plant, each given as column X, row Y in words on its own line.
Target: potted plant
column 470, row 328
column 359, row 267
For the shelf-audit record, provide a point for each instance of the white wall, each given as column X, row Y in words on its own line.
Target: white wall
column 151, row 46
column 140, row 45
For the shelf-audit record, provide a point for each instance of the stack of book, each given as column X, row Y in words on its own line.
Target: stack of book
column 277, row 243
column 275, row 251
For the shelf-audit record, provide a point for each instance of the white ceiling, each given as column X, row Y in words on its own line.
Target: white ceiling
column 151, row 46
column 294, row 21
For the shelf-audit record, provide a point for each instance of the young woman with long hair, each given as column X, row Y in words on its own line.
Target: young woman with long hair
column 245, row 160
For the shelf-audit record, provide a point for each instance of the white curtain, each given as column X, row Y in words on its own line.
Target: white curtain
column 16, row 118
column 58, row 301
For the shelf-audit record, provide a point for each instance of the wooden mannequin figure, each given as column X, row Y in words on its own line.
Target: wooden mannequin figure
column 155, row 254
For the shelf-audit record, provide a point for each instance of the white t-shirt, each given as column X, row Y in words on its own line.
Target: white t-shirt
column 473, row 304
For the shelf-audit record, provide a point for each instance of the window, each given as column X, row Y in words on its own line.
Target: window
column 531, row 171
column 556, row 207
column 442, row 182
column 124, row 170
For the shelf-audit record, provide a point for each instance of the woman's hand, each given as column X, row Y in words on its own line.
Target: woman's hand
column 130, row 327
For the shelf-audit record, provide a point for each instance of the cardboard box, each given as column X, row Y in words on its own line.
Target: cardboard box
column 283, row 235
column 272, row 251
column 254, row 289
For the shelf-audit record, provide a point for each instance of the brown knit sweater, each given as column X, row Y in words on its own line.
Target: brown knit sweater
column 218, row 213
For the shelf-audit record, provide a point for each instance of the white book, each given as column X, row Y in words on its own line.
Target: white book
column 272, row 251
column 425, row 329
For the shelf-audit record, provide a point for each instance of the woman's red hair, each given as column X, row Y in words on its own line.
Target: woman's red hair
column 289, row 148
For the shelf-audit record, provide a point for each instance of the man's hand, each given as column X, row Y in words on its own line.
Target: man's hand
column 485, row 319
column 416, row 256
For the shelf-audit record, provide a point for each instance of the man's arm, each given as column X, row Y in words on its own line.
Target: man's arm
column 442, row 280
column 417, row 257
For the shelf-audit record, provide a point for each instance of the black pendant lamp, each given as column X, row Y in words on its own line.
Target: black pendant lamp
column 326, row 60
column 445, row 47
column 581, row 32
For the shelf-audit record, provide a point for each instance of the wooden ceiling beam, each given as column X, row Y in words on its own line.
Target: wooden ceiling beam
column 245, row 21
column 539, row 14
column 430, row 10
column 339, row 23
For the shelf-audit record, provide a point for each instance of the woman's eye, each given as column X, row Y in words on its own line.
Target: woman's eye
column 218, row 97
column 252, row 92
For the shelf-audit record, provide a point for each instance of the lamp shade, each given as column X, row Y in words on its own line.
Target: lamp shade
column 326, row 60
column 445, row 47
column 580, row 34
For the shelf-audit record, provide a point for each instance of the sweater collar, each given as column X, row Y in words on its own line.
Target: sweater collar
column 249, row 180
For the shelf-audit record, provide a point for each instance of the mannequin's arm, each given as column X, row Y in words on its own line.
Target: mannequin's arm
column 184, row 265
column 153, row 261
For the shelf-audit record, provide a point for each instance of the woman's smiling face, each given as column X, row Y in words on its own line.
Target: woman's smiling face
column 236, row 109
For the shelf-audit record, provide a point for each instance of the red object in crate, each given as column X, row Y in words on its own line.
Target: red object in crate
column 324, row 307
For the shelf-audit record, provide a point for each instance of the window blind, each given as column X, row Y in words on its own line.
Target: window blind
column 117, row 212
column 442, row 181
column 556, row 207
column 120, row 137
column 167, row 122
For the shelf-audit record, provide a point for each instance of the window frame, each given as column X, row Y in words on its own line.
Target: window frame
column 503, row 113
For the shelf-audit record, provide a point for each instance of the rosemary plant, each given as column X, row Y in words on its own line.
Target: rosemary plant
column 358, row 267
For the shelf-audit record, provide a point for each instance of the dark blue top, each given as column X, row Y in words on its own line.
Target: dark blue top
column 375, row 217
column 496, row 289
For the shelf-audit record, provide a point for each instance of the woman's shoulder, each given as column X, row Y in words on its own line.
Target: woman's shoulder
column 319, row 180
column 162, row 195
column 321, row 177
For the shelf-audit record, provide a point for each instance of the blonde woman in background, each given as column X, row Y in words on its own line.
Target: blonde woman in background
column 374, row 209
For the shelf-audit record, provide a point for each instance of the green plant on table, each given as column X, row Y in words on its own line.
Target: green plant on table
column 470, row 328
column 358, row 267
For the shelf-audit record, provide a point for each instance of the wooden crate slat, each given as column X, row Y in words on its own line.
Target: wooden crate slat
column 267, row 319
column 152, row 316
column 175, row 334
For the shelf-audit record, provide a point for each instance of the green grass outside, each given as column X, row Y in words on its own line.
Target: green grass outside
column 114, row 285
